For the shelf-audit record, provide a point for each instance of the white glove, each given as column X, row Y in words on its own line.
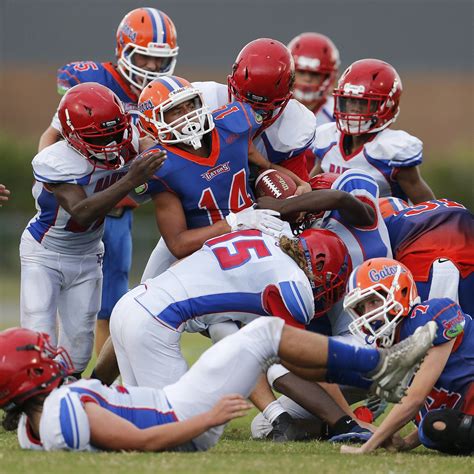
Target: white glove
column 264, row 220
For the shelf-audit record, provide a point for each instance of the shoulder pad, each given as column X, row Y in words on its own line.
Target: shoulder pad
column 64, row 424
column 59, row 163
column 397, row 147
column 326, row 135
column 357, row 181
column 214, row 94
column 298, row 298
column 237, row 117
column 294, row 130
column 78, row 72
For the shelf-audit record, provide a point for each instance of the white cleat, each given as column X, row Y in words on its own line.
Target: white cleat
column 399, row 363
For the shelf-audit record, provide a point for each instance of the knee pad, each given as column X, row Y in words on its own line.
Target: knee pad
column 456, row 438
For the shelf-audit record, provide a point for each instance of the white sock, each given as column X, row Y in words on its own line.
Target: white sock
column 273, row 411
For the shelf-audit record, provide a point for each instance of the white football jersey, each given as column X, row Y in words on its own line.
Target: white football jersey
column 53, row 226
column 326, row 113
column 64, row 424
column 381, row 157
column 362, row 242
column 231, row 277
column 291, row 134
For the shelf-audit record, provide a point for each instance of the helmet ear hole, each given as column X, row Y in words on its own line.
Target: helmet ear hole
column 404, row 291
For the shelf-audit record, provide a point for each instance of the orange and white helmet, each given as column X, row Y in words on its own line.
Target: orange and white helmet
column 149, row 32
column 162, row 95
column 390, row 282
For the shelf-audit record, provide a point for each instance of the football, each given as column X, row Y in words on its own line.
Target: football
column 275, row 184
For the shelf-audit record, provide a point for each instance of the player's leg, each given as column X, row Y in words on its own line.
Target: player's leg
column 234, row 365
column 304, row 423
column 117, row 241
column 151, row 350
column 41, row 281
column 160, row 260
column 79, row 302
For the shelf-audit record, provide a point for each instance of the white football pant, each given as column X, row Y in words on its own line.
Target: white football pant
column 233, row 365
column 70, row 285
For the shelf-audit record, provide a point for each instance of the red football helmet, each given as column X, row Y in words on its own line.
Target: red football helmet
column 367, row 97
column 329, row 262
column 29, row 366
column 94, row 122
column 263, row 76
column 150, row 33
column 314, row 53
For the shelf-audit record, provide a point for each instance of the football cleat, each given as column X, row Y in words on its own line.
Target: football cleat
column 400, row 362
column 285, row 429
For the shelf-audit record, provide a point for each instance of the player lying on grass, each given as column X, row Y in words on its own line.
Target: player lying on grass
column 383, row 300
column 189, row 414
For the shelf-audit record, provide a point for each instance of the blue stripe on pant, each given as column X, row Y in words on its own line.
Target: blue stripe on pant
column 117, row 260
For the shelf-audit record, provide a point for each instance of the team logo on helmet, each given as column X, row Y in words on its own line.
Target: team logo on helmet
column 386, row 271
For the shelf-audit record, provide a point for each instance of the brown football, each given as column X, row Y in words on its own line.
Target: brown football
column 275, row 184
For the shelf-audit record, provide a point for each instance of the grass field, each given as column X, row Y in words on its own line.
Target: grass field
column 235, row 453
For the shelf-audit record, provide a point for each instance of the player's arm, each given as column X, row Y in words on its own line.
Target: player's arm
column 354, row 211
column 86, row 210
column 317, row 169
column 413, row 185
column 259, row 160
column 429, row 372
column 171, row 221
column 49, row 136
column 110, row 432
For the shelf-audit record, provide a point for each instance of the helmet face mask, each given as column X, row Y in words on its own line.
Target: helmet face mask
column 381, row 292
column 328, row 261
column 367, row 97
column 95, row 124
column 157, row 103
column 146, row 33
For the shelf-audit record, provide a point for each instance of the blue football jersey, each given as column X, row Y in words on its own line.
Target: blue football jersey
column 104, row 73
column 430, row 230
column 212, row 187
column 452, row 385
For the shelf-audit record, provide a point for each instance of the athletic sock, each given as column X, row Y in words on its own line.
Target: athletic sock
column 348, row 377
column 273, row 411
column 346, row 357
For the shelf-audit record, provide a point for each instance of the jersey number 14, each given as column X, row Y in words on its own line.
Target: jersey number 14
column 239, row 198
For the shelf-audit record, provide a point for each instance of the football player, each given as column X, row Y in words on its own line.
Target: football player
column 262, row 76
column 288, row 278
column 78, row 180
column 212, row 151
column 146, row 48
column 4, row 194
column 189, row 415
column 383, row 301
column 367, row 102
column 316, row 66
column 435, row 240
column 347, row 205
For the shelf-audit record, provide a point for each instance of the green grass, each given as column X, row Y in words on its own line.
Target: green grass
column 235, row 453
